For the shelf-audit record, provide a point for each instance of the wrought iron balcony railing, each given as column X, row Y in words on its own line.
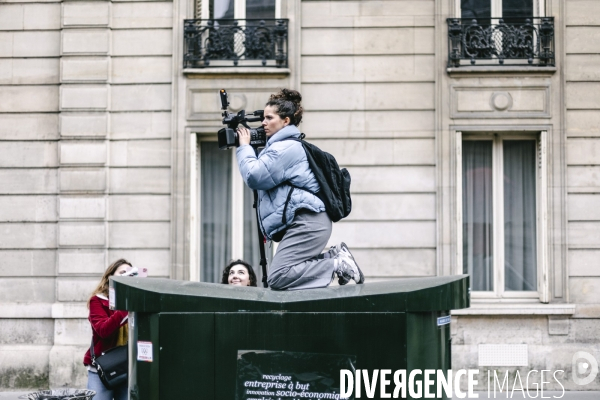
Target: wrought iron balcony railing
column 518, row 41
column 235, row 43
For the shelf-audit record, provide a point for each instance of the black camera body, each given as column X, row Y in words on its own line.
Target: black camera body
column 228, row 137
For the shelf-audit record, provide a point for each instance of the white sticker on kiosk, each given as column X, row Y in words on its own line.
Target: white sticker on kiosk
column 144, row 351
column 443, row 320
column 111, row 298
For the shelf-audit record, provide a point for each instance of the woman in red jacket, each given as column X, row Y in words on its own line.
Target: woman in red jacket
column 109, row 329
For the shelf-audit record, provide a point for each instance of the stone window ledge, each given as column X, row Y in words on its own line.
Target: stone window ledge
column 228, row 71
column 517, row 309
column 500, row 70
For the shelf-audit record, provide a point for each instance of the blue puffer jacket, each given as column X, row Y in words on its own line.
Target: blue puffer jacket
column 280, row 163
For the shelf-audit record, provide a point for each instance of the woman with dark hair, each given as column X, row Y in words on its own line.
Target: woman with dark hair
column 288, row 210
column 240, row 273
column 109, row 329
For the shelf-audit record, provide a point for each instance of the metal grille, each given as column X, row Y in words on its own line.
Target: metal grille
column 518, row 41
column 232, row 43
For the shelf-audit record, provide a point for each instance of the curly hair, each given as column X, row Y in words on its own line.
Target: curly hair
column 225, row 278
column 288, row 104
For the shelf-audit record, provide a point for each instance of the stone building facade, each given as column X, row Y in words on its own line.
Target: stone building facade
column 107, row 145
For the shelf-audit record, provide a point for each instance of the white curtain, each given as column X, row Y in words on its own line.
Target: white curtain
column 215, row 233
column 477, row 213
column 519, row 215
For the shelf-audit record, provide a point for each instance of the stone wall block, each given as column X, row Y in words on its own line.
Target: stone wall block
column 393, row 179
column 142, row 15
column 584, row 235
column 77, row 234
column 72, row 331
column 86, row 13
column 29, row 181
column 82, row 153
column 384, row 262
column 24, row 366
column 380, row 152
column 29, row 71
column 27, row 290
column 28, row 208
column 85, row 41
column 82, row 208
column 385, row 207
column 141, row 235
column 141, row 98
column 583, row 179
column 28, row 154
column 583, row 151
column 83, row 180
column 11, row 17
column 558, row 325
column 84, row 97
column 27, row 263
column 75, row 289
column 84, row 261
column 28, row 99
column 88, row 69
column 27, row 235
column 139, row 208
column 140, row 153
column 157, row 261
column 28, row 126
column 585, row 290
column 30, row 44
column 140, row 180
column 138, row 42
column 582, row 12
column 65, row 363
column 369, row 124
column 385, row 234
column 584, row 262
column 41, row 16
column 26, row 331
column 83, row 125
column 582, row 40
column 142, row 70
column 132, row 125
column 388, row 68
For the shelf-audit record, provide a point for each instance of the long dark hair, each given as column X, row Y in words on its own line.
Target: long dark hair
column 289, row 104
column 225, row 278
column 102, row 287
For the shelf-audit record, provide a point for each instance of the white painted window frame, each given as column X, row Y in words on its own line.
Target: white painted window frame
column 539, row 8
column 239, row 10
column 542, row 293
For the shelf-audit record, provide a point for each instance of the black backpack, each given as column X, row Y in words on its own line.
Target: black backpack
column 334, row 182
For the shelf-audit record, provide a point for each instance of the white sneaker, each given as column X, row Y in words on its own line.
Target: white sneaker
column 346, row 267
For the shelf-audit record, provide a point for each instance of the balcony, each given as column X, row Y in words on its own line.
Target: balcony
column 235, row 43
column 518, row 41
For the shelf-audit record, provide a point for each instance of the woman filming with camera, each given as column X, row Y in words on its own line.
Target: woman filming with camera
column 288, row 210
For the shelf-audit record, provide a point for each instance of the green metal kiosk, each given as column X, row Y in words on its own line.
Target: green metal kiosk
column 192, row 340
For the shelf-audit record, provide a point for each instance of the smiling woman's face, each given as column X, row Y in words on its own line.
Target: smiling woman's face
column 238, row 275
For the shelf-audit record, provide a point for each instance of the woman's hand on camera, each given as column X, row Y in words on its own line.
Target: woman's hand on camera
column 243, row 135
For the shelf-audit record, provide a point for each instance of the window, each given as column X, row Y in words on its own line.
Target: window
column 509, row 10
column 226, row 228
column 238, row 9
column 501, row 214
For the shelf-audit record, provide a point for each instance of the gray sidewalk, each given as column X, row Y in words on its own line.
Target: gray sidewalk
column 482, row 395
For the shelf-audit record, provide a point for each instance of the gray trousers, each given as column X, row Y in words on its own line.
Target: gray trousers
column 296, row 264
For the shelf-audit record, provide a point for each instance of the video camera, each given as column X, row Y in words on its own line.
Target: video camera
column 228, row 136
